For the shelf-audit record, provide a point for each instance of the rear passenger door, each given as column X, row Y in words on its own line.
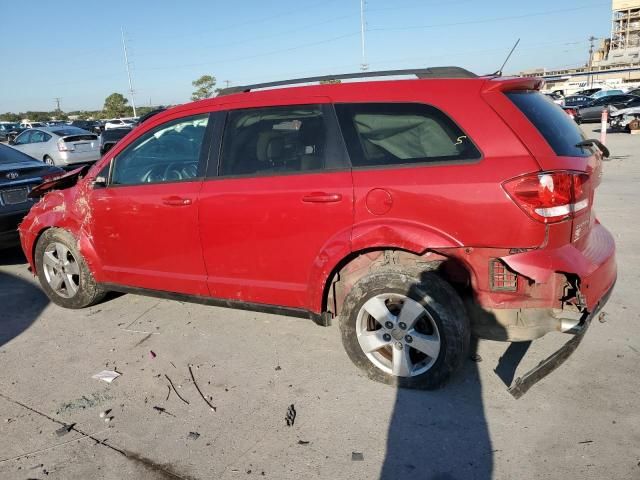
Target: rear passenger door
column 281, row 196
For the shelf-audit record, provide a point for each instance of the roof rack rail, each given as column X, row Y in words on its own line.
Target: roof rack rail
column 433, row 72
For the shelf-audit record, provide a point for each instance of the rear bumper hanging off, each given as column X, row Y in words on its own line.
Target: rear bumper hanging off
column 522, row 384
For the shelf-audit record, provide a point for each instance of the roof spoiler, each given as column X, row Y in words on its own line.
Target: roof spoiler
column 515, row 83
column 423, row 73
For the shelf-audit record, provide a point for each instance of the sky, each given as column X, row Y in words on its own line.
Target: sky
column 72, row 49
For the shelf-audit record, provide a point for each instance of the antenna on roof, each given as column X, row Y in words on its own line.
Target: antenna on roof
column 498, row 73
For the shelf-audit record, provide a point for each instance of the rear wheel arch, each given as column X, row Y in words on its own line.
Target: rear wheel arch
column 357, row 265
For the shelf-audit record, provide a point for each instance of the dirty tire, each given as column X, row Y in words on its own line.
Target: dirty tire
column 89, row 293
column 49, row 161
column 441, row 302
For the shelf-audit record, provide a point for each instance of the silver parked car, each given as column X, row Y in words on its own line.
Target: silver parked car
column 60, row 146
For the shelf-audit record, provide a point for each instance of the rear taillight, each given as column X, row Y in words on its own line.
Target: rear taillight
column 550, row 197
column 571, row 112
column 63, row 147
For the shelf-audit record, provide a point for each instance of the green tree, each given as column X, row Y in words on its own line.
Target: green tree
column 10, row 117
column 115, row 105
column 204, row 87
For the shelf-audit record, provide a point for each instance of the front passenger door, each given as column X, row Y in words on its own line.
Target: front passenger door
column 144, row 222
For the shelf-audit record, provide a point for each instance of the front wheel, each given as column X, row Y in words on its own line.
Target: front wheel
column 63, row 273
column 405, row 329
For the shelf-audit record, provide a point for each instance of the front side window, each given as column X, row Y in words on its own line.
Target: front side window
column 169, row 153
column 380, row 134
column 23, row 138
column 264, row 141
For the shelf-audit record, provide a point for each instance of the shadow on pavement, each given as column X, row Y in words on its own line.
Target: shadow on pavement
column 22, row 302
column 12, row 256
column 441, row 434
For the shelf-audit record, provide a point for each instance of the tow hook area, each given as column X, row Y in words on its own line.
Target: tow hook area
column 522, row 384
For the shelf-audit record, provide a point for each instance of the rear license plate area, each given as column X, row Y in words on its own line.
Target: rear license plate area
column 82, row 147
column 15, row 196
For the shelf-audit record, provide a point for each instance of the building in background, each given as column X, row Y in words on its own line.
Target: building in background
column 614, row 63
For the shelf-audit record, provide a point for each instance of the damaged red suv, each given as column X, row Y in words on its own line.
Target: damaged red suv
column 416, row 212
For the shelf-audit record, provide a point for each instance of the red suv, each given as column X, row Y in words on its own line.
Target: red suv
column 415, row 211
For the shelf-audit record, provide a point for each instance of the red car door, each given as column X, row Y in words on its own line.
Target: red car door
column 144, row 222
column 282, row 196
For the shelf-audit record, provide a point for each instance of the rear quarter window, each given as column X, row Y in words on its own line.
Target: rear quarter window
column 381, row 134
column 558, row 129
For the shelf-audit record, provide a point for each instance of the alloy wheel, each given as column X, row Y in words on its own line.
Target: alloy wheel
column 61, row 270
column 398, row 335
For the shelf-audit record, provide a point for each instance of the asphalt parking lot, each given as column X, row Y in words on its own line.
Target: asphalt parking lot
column 580, row 422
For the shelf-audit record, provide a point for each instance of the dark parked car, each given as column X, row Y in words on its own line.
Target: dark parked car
column 9, row 131
column 588, row 91
column 88, row 125
column 109, row 138
column 19, row 173
column 592, row 111
column 415, row 212
column 576, row 100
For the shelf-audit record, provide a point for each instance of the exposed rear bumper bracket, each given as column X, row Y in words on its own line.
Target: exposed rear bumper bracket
column 545, row 367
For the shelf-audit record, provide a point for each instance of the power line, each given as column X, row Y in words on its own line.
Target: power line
column 485, row 20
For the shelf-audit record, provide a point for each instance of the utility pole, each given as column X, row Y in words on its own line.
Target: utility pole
column 227, row 83
column 126, row 63
column 57, row 100
column 590, row 77
column 363, row 66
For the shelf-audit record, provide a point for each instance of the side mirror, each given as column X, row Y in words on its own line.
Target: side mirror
column 12, row 141
column 99, row 182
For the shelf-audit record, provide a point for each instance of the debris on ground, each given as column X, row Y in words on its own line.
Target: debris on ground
column 303, row 442
column 174, row 389
column 602, row 318
column 105, row 413
column 107, row 419
column 278, row 368
column 106, row 376
column 163, row 410
column 193, row 436
column 152, row 354
column 200, row 391
column 64, row 429
column 476, row 358
column 291, row 415
column 86, row 401
column 357, row 456
column 586, row 441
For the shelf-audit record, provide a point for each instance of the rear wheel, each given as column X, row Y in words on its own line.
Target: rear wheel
column 405, row 329
column 49, row 161
column 63, row 273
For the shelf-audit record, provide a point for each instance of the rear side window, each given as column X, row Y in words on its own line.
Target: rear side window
column 273, row 140
column 379, row 134
column 559, row 130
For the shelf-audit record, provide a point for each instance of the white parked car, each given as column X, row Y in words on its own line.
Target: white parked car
column 32, row 125
column 60, row 146
column 118, row 123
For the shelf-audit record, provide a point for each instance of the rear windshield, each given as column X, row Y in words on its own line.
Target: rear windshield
column 63, row 132
column 558, row 129
column 80, row 138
